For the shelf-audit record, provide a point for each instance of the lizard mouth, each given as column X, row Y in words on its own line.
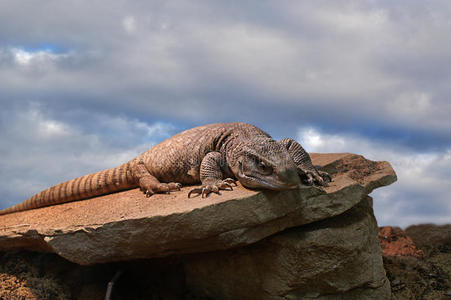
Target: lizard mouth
column 260, row 183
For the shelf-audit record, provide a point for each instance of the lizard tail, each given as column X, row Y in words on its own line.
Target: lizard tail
column 95, row 184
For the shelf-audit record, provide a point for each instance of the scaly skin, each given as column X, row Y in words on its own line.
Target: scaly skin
column 216, row 155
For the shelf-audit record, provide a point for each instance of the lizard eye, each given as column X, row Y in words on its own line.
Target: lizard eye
column 264, row 168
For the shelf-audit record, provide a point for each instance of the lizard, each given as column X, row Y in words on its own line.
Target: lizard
column 216, row 155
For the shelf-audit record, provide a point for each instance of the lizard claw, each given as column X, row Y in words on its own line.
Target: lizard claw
column 309, row 179
column 165, row 188
column 196, row 191
column 230, row 181
column 322, row 178
column 225, row 186
column 174, row 186
column 209, row 189
column 326, row 176
column 314, row 177
column 205, row 190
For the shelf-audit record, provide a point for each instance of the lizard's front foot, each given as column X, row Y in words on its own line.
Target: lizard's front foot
column 314, row 177
column 213, row 187
column 149, row 187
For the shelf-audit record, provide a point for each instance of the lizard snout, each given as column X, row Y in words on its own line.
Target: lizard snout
column 289, row 177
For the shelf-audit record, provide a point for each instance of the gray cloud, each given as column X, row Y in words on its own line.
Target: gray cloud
column 417, row 197
column 37, row 151
column 375, row 69
column 377, row 58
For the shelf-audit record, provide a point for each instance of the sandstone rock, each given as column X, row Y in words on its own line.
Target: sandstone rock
column 338, row 258
column 127, row 225
column 395, row 242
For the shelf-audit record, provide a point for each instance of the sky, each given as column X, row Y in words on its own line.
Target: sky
column 88, row 85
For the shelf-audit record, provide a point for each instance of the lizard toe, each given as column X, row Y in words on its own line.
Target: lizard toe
column 320, row 181
column 308, row 179
column 215, row 189
column 230, row 181
column 210, row 189
column 225, row 186
column 322, row 178
column 326, row 176
column 197, row 191
column 174, row 186
column 163, row 188
column 206, row 190
column 314, row 177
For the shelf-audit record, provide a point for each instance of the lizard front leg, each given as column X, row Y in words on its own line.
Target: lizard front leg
column 212, row 174
column 149, row 184
column 308, row 173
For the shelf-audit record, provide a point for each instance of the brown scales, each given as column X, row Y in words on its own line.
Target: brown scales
column 215, row 154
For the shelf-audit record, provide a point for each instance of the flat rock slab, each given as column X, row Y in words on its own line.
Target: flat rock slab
column 127, row 225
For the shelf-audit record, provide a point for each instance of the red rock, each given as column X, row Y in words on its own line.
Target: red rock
column 395, row 242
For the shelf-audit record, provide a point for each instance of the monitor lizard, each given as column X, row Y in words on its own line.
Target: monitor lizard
column 216, row 155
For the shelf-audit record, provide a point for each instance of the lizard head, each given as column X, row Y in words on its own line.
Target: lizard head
column 265, row 164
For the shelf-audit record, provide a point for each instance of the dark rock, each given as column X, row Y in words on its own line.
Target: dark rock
column 338, row 258
column 425, row 235
column 424, row 276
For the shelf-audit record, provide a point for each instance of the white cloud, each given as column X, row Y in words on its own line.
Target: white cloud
column 129, row 24
column 348, row 18
column 24, row 57
column 43, row 127
column 321, row 55
column 419, row 195
column 39, row 151
column 341, row 64
column 314, row 141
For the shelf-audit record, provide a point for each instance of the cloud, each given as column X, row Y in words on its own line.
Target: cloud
column 326, row 54
column 364, row 72
column 38, row 151
column 321, row 62
column 25, row 58
column 418, row 196
column 129, row 24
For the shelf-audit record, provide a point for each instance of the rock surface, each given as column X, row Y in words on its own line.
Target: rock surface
column 395, row 242
column 302, row 244
column 32, row 275
column 338, row 258
column 413, row 276
column 127, row 225
column 430, row 235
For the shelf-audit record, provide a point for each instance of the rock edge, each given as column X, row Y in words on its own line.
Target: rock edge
column 127, row 225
